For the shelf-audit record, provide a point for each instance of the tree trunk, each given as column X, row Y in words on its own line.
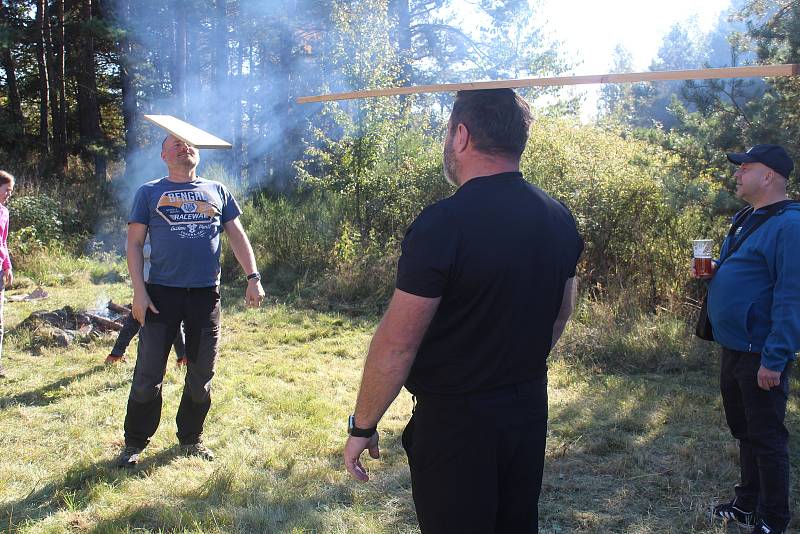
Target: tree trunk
column 127, row 62
column 179, row 68
column 219, row 50
column 88, row 109
column 404, row 40
column 44, row 93
column 284, row 146
column 61, row 83
column 403, row 33
column 10, row 67
column 221, row 77
column 250, row 131
column 59, row 124
column 238, row 117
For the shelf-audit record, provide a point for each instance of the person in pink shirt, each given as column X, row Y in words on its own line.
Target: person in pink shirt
column 6, row 277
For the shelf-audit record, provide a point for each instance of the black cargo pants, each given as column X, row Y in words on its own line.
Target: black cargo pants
column 199, row 310
column 477, row 460
column 756, row 418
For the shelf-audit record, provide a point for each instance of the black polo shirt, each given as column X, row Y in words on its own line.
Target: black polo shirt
column 498, row 253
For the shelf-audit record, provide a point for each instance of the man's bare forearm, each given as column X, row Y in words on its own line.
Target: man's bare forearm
column 385, row 372
column 244, row 254
column 241, row 247
column 567, row 306
column 135, row 258
column 391, row 354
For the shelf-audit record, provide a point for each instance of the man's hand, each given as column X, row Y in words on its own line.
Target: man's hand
column 767, row 378
column 693, row 272
column 141, row 303
column 8, row 278
column 254, row 293
column 352, row 455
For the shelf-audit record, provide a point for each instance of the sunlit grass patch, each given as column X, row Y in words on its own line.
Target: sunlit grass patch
column 631, row 449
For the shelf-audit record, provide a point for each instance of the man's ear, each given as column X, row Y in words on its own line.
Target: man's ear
column 461, row 138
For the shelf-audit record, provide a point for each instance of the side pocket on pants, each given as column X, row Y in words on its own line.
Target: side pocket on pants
column 201, row 371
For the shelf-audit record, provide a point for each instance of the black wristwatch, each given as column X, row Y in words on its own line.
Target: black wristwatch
column 354, row 431
column 254, row 276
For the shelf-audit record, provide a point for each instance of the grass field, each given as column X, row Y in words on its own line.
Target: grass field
column 637, row 441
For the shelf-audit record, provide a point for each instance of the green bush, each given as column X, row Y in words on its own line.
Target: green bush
column 615, row 336
column 39, row 216
column 292, row 237
column 636, row 223
column 38, row 227
column 636, row 204
column 362, row 270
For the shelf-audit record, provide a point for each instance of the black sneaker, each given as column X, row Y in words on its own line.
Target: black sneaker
column 199, row 450
column 129, row 456
column 730, row 511
column 763, row 528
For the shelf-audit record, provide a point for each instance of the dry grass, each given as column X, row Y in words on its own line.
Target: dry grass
column 630, row 450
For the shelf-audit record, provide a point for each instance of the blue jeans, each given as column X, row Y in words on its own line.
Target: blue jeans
column 756, row 419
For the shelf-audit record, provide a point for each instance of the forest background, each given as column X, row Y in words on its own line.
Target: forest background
column 330, row 189
column 637, row 441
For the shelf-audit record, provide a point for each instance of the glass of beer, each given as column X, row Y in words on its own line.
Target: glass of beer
column 702, row 257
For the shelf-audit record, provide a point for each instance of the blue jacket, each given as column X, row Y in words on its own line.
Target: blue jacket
column 754, row 297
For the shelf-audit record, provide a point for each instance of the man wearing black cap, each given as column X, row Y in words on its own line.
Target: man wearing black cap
column 754, row 308
column 485, row 285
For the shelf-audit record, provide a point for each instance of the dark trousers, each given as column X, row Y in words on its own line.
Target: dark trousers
column 130, row 327
column 756, row 419
column 476, row 461
column 199, row 310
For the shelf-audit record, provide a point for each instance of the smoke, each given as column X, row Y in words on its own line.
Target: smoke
column 242, row 67
column 245, row 63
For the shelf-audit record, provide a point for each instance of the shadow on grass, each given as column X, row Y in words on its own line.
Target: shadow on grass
column 74, row 490
column 643, row 453
column 275, row 500
column 49, row 393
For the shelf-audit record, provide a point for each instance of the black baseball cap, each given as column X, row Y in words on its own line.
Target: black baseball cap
column 773, row 156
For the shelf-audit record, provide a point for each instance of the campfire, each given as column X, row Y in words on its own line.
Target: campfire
column 66, row 325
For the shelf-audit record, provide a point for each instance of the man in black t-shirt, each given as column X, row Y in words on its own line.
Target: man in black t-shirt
column 485, row 285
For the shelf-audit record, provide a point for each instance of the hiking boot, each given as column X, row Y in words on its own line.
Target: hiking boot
column 182, row 362
column 763, row 528
column 199, row 450
column 730, row 511
column 113, row 358
column 129, row 456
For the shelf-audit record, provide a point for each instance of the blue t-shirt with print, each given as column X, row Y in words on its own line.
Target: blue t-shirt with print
column 185, row 222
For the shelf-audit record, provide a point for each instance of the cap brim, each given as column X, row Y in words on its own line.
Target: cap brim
column 740, row 157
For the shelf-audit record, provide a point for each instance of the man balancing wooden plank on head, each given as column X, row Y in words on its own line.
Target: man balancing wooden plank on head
column 485, row 285
column 185, row 216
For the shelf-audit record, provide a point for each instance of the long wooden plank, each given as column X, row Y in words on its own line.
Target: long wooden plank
column 789, row 69
column 187, row 133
